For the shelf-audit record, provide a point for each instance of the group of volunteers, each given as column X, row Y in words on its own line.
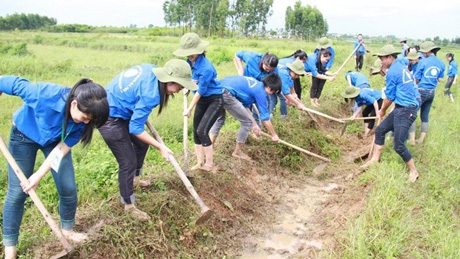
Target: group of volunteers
column 54, row 118
column 411, row 77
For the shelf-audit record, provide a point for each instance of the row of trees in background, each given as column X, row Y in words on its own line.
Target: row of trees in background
column 305, row 21
column 25, row 22
column 214, row 17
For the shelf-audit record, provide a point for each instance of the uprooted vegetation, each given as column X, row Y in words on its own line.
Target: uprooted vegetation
column 244, row 196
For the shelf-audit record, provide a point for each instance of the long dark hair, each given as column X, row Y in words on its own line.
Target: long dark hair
column 298, row 54
column 322, row 52
column 164, row 97
column 268, row 59
column 92, row 100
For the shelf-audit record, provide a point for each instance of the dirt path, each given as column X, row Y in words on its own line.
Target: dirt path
column 294, row 232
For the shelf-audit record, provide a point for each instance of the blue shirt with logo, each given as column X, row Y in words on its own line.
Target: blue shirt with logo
column 286, row 80
column 205, row 76
column 248, row 91
column 41, row 116
column 400, row 86
column 310, row 65
column 133, row 94
column 358, row 79
column 361, row 48
column 429, row 69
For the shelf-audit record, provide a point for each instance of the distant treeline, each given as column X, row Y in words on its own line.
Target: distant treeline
column 25, row 22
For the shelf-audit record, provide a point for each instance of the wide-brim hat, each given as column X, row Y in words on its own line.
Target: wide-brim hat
column 375, row 69
column 402, row 40
column 191, row 44
column 351, row 92
column 386, row 51
column 324, row 42
column 297, row 67
column 413, row 55
column 177, row 71
column 428, row 46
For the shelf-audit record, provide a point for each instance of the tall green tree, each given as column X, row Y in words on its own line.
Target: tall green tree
column 306, row 22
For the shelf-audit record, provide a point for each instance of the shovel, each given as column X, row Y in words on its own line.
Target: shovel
column 206, row 212
column 185, row 137
column 33, row 195
column 349, row 119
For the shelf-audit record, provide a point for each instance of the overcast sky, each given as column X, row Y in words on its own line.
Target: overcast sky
column 408, row 18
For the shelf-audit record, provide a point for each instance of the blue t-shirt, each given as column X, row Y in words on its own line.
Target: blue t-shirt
column 41, row 116
column 429, row 69
column 400, row 86
column 284, row 61
column 133, row 94
column 357, row 79
column 248, row 91
column 286, row 80
column 205, row 75
column 311, row 66
column 452, row 70
column 361, row 48
column 367, row 96
column 330, row 62
column 252, row 60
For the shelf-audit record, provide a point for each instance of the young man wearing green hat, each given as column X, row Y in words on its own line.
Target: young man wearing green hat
column 401, row 90
column 429, row 72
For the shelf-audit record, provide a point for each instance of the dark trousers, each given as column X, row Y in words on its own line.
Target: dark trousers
column 369, row 111
column 398, row 121
column 359, row 60
column 298, row 88
column 317, row 86
column 129, row 151
column 207, row 111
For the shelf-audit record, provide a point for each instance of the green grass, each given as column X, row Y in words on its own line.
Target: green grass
column 399, row 220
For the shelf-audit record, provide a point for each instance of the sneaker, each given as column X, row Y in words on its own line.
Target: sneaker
column 138, row 214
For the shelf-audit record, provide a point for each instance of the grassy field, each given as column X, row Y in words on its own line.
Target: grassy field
column 400, row 220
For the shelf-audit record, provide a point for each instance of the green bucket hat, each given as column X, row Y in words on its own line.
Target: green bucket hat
column 191, row 44
column 297, row 67
column 351, row 92
column 177, row 71
column 375, row 69
column 324, row 42
column 428, row 46
column 413, row 55
column 387, row 50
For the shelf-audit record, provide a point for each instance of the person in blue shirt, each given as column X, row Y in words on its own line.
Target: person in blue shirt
column 132, row 95
column 360, row 52
column 207, row 99
column 325, row 43
column 452, row 74
column 297, row 55
column 368, row 97
column 404, row 47
column 357, row 79
column 315, row 65
column 401, row 90
column 240, row 94
column 413, row 58
column 289, row 73
column 430, row 70
column 53, row 119
column 258, row 65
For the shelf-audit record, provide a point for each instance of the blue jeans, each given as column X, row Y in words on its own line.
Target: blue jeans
column 24, row 151
column 427, row 100
column 273, row 101
column 237, row 110
column 398, row 121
